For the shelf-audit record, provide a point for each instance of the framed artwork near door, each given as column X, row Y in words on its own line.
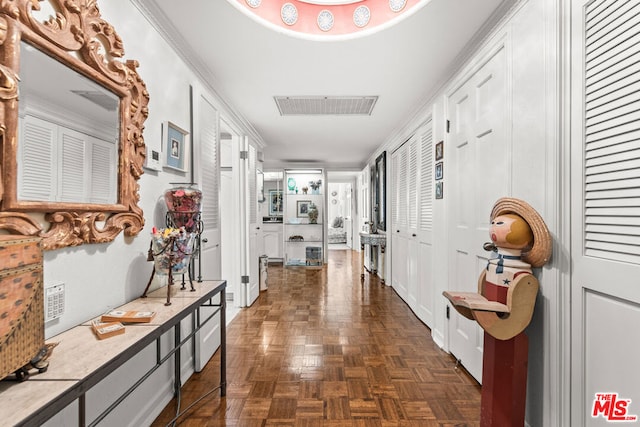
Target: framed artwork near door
column 440, row 150
column 439, row 172
column 175, row 146
column 439, row 190
column 275, row 202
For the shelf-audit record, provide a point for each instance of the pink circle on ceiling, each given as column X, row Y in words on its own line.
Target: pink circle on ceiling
column 347, row 17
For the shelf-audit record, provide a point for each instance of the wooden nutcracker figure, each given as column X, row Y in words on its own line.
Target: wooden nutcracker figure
column 504, row 305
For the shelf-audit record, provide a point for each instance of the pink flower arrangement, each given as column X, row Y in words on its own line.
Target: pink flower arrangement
column 184, row 205
column 172, row 247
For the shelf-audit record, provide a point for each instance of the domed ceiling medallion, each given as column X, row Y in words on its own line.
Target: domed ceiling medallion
column 329, row 19
column 397, row 5
column 325, row 20
column 361, row 16
column 289, row 14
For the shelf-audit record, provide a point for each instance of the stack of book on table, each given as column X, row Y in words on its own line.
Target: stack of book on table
column 111, row 323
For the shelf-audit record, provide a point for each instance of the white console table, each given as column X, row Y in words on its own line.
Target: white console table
column 374, row 240
column 80, row 361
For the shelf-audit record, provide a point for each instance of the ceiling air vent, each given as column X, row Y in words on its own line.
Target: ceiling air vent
column 108, row 102
column 325, row 105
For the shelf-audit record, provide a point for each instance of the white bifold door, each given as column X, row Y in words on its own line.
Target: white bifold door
column 605, row 212
column 411, row 228
column 209, row 267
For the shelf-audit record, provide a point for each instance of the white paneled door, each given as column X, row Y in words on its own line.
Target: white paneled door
column 254, row 233
column 477, row 164
column 605, row 212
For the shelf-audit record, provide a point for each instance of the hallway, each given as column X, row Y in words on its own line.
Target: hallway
column 320, row 349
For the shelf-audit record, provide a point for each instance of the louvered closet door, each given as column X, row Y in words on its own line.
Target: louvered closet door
column 206, row 141
column 102, row 171
column 412, row 222
column 413, row 165
column 605, row 197
column 400, row 222
column 71, row 158
column 37, row 177
column 426, row 291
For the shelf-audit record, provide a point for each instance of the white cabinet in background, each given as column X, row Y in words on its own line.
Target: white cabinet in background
column 272, row 239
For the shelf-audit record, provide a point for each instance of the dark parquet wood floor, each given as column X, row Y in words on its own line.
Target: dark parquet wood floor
column 318, row 348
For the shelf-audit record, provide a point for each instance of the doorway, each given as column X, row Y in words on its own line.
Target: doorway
column 229, row 205
column 339, row 236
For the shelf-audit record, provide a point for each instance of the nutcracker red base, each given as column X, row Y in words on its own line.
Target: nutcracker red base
column 504, row 381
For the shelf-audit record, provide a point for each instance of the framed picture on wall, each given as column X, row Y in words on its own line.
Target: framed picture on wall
column 439, row 190
column 439, row 171
column 175, row 146
column 275, row 202
column 302, row 210
column 440, row 150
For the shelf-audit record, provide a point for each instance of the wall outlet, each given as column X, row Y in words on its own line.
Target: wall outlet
column 53, row 301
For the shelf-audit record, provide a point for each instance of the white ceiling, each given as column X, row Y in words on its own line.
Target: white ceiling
column 248, row 64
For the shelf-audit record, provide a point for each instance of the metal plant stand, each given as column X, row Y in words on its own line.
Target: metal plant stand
column 195, row 225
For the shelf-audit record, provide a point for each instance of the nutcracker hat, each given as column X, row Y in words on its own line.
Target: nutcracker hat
column 540, row 251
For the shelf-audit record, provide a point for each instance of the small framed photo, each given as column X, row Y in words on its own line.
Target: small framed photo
column 176, row 151
column 275, row 202
column 302, row 210
column 440, row 150
column 439, row 190
column 439, row 171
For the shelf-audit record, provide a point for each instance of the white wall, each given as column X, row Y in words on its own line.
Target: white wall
column 101, row 276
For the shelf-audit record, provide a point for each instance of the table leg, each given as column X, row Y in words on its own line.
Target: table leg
column 362, row 262
column 382, row 247
column 374, row 260
column 223, row 344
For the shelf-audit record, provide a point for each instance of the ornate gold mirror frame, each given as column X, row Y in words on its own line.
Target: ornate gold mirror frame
column 78, row 37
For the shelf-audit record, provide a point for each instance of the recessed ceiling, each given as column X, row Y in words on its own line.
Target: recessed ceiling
column 247, row 63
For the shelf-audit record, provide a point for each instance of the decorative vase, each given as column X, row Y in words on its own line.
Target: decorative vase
column 313, row 214
column 291, row 184
column 172, row 247
column 315, row 186
column 183, row 205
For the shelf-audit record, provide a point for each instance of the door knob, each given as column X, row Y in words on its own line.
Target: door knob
column 205, row 240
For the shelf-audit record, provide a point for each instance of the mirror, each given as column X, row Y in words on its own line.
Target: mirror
column 379, row 192
column 67, row 134
column 68, row 60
